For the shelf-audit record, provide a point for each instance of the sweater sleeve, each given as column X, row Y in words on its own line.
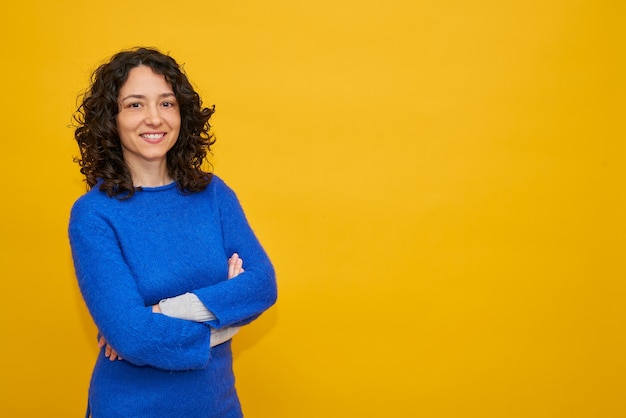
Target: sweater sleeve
column 186, row 306
column 117, row 308
column 243, row 298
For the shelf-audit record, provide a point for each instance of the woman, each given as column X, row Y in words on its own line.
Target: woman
column 158, row 245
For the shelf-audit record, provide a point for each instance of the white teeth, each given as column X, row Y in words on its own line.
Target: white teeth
column 152, row 136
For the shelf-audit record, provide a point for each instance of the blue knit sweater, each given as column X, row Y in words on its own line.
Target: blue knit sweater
column 160, row 243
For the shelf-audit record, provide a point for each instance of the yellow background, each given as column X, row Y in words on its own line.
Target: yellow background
column 439, row 185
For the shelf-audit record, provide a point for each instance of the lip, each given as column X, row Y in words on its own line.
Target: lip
column 153, row 137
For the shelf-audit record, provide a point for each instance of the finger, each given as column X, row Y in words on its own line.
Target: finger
column 232, row 265
column 235, row 266
column 107, row 351
column 114, row 356
column 239, row 267
column 101, row 342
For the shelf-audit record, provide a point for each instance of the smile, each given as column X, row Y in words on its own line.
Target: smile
column 153, row 136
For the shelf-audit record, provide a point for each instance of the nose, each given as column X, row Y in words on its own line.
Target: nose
column 153, row 116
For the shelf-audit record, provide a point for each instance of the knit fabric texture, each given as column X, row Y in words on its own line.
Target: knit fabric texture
column 160, row 243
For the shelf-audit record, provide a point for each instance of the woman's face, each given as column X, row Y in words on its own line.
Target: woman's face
column 148, row 121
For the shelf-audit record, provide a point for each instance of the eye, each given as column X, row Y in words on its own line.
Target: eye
column 134, row 105
column 169, row 104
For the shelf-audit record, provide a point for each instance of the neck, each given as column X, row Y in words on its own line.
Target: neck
column 150, row 176
column 151, row 181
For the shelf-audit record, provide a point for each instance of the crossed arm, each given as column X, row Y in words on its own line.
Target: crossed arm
column 182, row 311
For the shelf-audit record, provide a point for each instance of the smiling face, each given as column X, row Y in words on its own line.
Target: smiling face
column 148, row 121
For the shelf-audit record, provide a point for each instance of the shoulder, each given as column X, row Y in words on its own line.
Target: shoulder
column 217, row 183
column 92, row 197
column 224, row 197
column 219, row 188
column 91, row 205
column 87, row 200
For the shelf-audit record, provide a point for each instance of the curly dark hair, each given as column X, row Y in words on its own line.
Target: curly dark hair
column 97, row 135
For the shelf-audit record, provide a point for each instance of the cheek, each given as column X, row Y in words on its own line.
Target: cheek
column 124, row 123
column 125, row 128
column 175, row 127
column 175, row 121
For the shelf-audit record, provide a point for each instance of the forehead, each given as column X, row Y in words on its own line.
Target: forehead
column 142, row 80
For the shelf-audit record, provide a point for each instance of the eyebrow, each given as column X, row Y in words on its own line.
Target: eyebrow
column 141, row 96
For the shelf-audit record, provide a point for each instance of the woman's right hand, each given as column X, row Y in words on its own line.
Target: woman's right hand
column 219, row 336
column 235, row 266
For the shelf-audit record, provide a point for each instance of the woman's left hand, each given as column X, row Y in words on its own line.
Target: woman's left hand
column 109, row 351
